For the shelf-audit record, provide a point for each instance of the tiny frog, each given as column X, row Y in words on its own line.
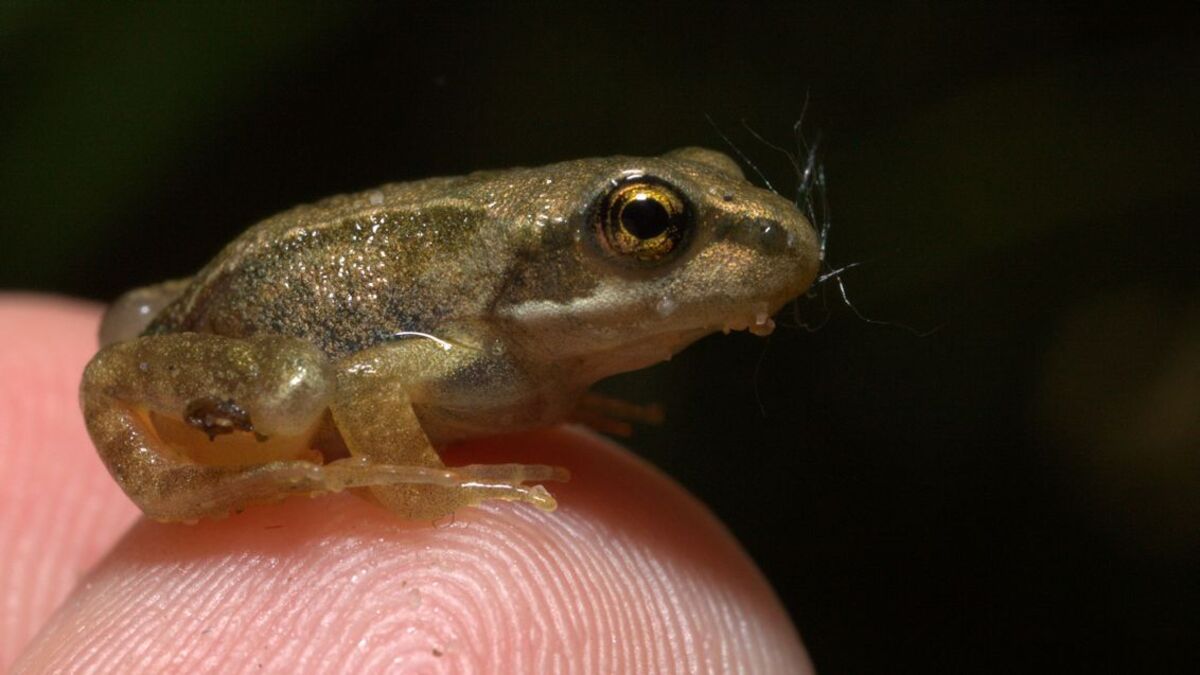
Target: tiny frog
column 340, row 344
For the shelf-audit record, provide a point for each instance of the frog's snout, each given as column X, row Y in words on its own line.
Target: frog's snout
column 785, row 248
column 771, row 235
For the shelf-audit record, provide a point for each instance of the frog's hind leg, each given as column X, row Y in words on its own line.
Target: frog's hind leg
column 374, row 413
column 250, row 406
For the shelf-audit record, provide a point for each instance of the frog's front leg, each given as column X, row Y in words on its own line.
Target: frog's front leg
column 374, row 413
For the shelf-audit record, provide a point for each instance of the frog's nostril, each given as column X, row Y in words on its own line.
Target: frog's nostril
column 766, row 235
column 772, row 236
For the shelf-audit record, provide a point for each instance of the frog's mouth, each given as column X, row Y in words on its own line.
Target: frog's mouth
column 754, row 318
column 650, row 346
column 758, row 321
column 593, row 337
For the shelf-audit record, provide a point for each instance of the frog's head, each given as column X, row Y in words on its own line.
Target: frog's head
column 624, row 261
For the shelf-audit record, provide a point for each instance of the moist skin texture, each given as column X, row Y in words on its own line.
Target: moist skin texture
column 340, row 344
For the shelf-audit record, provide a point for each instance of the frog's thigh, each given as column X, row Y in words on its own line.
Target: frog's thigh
column 277, row 387
column 373, row 410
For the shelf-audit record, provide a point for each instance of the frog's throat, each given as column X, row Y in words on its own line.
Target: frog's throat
column 599, row 346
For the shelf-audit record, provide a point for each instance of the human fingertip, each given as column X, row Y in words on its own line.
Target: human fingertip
column 61, row 509
column 630, row 574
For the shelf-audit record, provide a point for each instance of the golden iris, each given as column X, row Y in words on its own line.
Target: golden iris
column 644, row 220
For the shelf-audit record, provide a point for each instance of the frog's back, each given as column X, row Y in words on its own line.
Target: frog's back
column 344, row 273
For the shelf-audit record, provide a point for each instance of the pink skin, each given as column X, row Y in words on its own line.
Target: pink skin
column 630, row 575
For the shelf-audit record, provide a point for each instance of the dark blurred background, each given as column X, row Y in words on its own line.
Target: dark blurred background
column 1019, row 487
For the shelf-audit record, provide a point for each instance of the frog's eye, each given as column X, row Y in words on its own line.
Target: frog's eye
column 644, row 220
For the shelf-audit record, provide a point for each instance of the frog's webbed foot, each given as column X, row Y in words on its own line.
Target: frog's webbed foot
column 614, row 416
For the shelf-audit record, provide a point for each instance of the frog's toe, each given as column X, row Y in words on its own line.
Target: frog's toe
column 507, row 481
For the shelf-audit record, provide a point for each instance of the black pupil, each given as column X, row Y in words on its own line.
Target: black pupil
column 645, row 218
